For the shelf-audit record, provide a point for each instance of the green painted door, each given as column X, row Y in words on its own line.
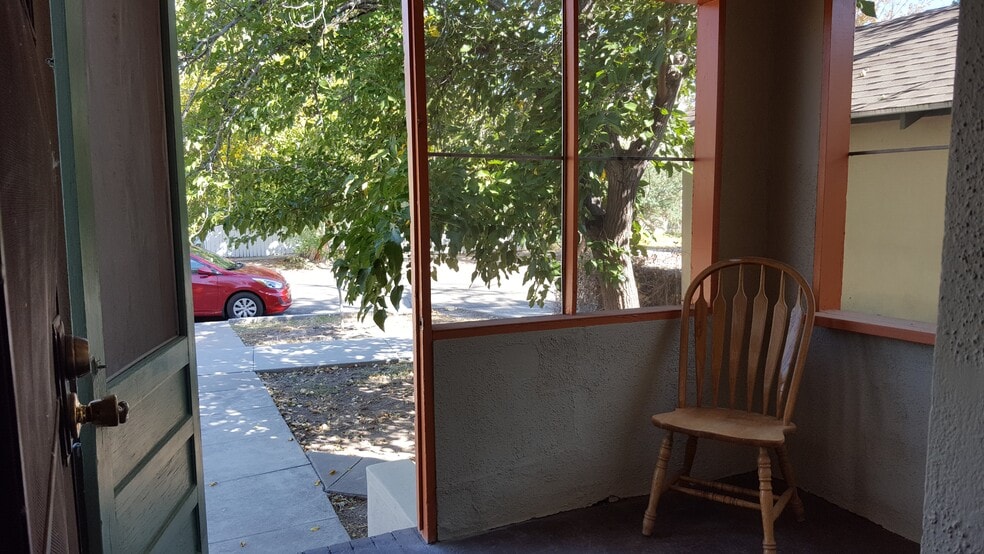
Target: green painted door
column 125, row 222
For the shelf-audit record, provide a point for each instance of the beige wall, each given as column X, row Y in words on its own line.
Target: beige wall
column 895, row 220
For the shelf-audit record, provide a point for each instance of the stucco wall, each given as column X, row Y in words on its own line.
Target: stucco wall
column 771, row 131
column 538, row 423
column 794, row 141
column 894, row 229
column 954, row 510
column 747, row 126
column 863, row 414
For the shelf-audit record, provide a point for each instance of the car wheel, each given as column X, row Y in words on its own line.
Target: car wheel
column 244, row 304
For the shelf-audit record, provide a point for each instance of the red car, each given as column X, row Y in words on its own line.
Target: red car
column 224, row 288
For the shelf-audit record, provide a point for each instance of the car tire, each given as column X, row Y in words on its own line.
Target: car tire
column 243, row 304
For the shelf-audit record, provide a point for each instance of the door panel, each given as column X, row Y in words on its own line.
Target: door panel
column 126, row 113
column 34, row 291
column 128, row 233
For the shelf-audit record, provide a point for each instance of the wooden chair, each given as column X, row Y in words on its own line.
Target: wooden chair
column 753, row 318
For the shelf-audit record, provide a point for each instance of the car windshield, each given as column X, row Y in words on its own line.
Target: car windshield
column 214, row 259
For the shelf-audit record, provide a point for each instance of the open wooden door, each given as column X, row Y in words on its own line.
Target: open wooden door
column 127, row 258
column 92, row 244
column 37, row 504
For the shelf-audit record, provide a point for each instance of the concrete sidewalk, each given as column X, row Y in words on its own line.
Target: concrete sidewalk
column 261, row 491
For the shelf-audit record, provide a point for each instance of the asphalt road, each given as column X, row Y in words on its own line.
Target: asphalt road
column 315, row 292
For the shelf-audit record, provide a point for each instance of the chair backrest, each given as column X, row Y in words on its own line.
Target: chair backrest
column 747, row 322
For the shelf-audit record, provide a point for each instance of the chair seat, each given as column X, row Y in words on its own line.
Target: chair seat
column 726, row 425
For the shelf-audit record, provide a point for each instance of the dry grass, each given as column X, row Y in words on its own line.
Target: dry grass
column 364, row 410
column 657, row 286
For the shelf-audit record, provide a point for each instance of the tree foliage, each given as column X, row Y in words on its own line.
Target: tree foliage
column 294, row 119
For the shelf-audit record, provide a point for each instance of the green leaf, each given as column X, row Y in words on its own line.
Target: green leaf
column 867, row 7
column 394, row 255
column 379, row 318
column 291, row 127
column 396, row 295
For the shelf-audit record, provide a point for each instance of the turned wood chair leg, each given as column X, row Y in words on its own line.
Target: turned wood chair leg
column 690, row 453
column 659, row 475
column 765, row 500
column 787, row 475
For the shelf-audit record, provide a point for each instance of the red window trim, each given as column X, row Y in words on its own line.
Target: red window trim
column 706, row 187
column 707, row 169
column 449, row 331
column 832, row 175
column 878, row 326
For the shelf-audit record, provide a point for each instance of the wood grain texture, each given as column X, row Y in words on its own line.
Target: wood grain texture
column 741, row 335
column 737, row 426
column 760, row 313
column 720, row 310
column 792, row 340
column 765, row 501
column 739, row 311
column 780, row 318
column 659, row 475
column 700, row 343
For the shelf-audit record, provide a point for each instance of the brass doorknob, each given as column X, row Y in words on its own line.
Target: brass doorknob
column 107, row 412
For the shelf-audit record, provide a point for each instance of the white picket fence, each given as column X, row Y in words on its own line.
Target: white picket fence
column 219, row 242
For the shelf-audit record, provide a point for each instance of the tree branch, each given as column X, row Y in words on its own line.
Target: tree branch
column 205, row 45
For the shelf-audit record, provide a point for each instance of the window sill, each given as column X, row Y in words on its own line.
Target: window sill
column 879, row 326
column 446, row 331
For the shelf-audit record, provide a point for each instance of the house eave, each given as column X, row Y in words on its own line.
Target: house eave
column 936, row 108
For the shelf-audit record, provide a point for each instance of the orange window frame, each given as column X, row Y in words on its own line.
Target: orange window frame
column 832, row 176
column 707, row 178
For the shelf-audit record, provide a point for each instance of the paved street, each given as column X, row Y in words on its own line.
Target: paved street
column 315, row 292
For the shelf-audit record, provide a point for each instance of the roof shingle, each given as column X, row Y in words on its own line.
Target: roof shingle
column 905, row 64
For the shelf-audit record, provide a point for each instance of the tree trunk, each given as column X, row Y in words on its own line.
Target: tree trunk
column 611, row 230
column 615, row 233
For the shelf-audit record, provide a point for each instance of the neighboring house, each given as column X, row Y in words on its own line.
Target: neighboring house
column 900, row 113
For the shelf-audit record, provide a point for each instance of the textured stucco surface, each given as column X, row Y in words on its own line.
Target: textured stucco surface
column 747, row 127
column 772, row 70
column 795, row 147
column 862, row 414
column 538, row 423
column 894, row 229
column 954, row 510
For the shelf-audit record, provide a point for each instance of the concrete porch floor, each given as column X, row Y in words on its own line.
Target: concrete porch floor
column 685, row 524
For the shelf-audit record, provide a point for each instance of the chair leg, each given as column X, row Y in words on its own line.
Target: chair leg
column 787, row 475
column 691, row 452
column 765, row 500
column 659, row 475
